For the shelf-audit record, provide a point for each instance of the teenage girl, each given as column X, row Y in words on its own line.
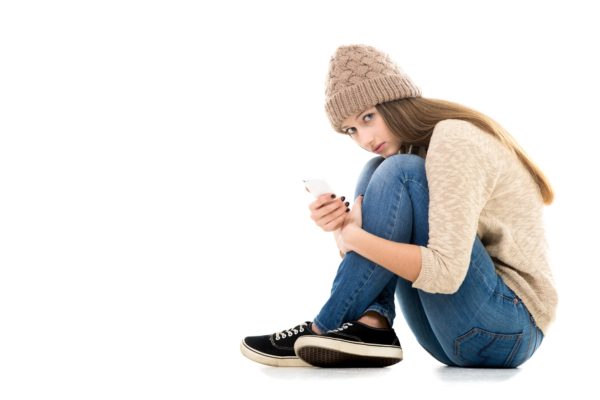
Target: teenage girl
column 447, row 216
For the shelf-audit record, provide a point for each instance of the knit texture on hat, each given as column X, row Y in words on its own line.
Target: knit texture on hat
column 360, row 77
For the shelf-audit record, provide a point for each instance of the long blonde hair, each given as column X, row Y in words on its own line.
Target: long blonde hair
column 413, row 119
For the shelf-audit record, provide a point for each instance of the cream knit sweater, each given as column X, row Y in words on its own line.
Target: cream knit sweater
column 478, row 187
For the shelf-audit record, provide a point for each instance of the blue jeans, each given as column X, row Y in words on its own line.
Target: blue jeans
column 483, row 324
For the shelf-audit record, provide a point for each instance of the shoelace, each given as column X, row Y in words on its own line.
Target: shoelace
column 290, row 332
column 345, row 325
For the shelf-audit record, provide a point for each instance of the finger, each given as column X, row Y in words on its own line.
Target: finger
column 335, row 214
column 321, row 201
column 334, row 205
column 335, row 223
column 326, row 200
column 326, row 212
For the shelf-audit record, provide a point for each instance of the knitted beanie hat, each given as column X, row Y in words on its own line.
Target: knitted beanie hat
column 360, row 77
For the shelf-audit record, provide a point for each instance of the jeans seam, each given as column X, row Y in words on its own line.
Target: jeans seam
column 514, row 351
column 478, row 262
column 505, row 297
column 395, row 211
column 349, row 302
column 534, row 341
column 389, row 232
column 417, row 183
column 391, row 228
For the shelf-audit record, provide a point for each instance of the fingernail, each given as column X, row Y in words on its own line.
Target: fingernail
column 347, row 203
column 343, row 198
column 347, row 209
column 333, row 196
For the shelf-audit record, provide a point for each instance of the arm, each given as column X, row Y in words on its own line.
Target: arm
column 462, row 170
column 336, row 235
column 400, row 258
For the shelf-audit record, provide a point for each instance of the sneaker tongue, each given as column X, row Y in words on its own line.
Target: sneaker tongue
column 297, row 327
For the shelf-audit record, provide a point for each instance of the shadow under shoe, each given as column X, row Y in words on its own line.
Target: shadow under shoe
column 353, row 345
column 277, row 349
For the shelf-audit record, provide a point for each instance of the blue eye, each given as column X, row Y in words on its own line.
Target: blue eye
column 369, row 116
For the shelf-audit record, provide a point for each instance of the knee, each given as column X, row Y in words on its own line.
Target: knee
column 406, row 162
column 370, row 167
column 366, row 174
column 400, row 166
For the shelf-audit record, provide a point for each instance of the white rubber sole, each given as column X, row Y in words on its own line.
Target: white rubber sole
column 273, row 361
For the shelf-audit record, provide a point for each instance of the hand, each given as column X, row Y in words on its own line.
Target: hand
column 352, row 222
column 328, row 213
column 355, row 215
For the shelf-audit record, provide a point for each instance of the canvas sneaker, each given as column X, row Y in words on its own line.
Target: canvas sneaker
column 277, row 349
column 353, row 345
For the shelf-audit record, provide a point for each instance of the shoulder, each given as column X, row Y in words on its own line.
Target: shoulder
column 459, row 133
column 461, row 143
column 456, row 129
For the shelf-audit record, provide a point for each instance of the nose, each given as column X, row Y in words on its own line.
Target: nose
column 366, row 142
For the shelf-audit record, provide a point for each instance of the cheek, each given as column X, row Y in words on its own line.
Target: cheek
column 381, row 126
column 390, row 138
column 388, row 134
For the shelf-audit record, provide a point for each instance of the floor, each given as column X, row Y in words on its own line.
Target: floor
column 556, row 369
column 152, row 211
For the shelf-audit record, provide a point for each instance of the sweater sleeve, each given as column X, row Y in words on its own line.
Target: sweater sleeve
column 461, row 175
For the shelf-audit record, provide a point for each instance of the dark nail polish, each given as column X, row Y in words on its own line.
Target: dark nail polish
column 343, row 198
column 347, row 203
column 333, row 196
column 347, row 209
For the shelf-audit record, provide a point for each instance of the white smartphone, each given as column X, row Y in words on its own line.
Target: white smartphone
column 317, row 187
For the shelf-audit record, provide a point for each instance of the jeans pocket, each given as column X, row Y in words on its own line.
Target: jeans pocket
column 481, row 348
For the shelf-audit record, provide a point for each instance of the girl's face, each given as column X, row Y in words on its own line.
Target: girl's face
column 371, row 133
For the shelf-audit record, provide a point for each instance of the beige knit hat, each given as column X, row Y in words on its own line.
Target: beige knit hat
column 360, row 77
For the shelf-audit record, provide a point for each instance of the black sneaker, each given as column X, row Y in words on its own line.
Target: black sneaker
column 277, row 349
column 353, row 345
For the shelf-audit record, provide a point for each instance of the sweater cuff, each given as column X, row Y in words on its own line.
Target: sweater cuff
column 426, row 276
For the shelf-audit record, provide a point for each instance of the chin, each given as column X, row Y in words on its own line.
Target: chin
column 388, row 153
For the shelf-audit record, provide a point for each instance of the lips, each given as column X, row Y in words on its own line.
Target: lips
column 379, row 147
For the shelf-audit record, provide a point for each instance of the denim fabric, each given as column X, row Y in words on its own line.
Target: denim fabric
column 483, row 324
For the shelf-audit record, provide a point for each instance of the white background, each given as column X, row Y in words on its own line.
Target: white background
column 151, row 206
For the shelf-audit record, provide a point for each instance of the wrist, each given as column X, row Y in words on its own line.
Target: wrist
column 352, row 234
